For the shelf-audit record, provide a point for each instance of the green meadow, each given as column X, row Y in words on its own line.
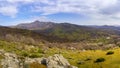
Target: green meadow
column 80, row 58
column 88, row 58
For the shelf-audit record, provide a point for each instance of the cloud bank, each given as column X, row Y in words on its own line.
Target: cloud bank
column 96, row 9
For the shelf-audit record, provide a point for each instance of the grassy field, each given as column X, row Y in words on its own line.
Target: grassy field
column 86, row 59
column 79, row 58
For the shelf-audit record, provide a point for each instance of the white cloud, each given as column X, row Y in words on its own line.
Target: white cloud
column 8, row 10
column 40, row 18
column 100, row 22
column 12, row 7
column 17, row 1
column 91, row 8
column 30, row 19
column 69, row 6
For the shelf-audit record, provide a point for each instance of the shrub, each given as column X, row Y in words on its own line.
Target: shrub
column 35, row 55
column 1, row 57
column 80, row 62
column 99, row 60
column 37, row 65
column 88, row 59
column 110, row 53
column 40, row 50
column 25, row 54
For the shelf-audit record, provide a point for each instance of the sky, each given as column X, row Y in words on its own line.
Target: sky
column 81, row 12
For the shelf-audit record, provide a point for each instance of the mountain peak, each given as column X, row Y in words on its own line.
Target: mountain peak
column 36, row 21
column 35, row 25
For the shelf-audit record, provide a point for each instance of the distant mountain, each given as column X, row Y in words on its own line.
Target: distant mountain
column 69, row 32
column 35, row 25
column 108, row 27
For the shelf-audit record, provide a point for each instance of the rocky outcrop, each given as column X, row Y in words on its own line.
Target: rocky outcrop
column 13, row 61
column 38, row 60
column 58, row 61
column 10, row 61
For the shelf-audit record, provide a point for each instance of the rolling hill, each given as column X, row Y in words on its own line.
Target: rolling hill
column 24, row 35
column 69, row 32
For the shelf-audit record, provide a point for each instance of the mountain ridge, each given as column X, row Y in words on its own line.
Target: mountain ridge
column 34, row 25
column 68, row 31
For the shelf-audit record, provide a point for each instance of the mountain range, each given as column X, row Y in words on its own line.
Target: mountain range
column 67, row 32
column 36, row 25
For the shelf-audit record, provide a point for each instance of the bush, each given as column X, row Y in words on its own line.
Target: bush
column 99, row 60
column 25, row 54
column 1, row 57
column 88, row 59
column 35, row 56
column 37, row 65
column 80, row 62
column 40, row 50
column 110, row 53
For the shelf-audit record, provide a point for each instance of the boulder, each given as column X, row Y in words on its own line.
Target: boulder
column 10, row 61
column 13, row 61
column 38, row 60
column 58, row 61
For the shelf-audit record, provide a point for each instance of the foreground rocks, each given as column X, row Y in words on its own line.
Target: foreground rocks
column 10, row 61
column 13, row 61
column 58, row 61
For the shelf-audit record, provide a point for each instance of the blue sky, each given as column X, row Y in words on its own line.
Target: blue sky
column 82, row 12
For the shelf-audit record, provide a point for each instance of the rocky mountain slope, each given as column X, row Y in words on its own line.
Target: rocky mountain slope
column 66, row 32
column 36, row 25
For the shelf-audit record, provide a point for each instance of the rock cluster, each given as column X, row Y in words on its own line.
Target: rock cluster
column 56, row 61
column 10, row 61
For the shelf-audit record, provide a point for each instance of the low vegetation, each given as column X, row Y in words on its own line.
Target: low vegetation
column 36, row 65
column 95, row 53
column 109, row 53
column 89, row 58
column 80, row 58
column 99, row 60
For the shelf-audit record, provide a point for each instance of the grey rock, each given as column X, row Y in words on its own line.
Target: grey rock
column 38, row 60
column 58, row 61
column 13, row 61
column 10, row 61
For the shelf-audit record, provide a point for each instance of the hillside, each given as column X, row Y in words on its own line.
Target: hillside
column 82, row 46
column 20, row 35
column 24, row 35
column 66, row 32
